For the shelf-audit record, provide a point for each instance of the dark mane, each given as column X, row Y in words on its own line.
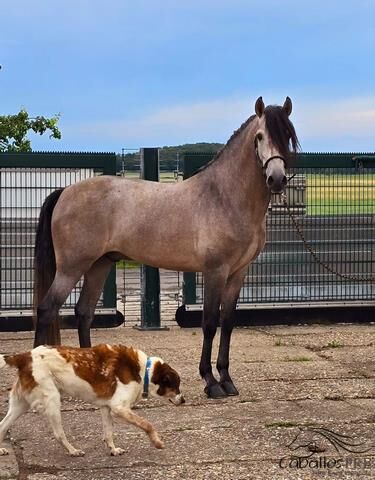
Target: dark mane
column 233, row 136
column 281, row 130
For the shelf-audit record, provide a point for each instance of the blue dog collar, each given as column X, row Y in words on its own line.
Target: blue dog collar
column 146, row 380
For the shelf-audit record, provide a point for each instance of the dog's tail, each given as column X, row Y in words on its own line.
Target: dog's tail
column 17, row 360
column 8, row 360
column 45, row 261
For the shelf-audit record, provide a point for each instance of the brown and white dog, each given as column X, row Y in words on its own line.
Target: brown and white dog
column 112, row 377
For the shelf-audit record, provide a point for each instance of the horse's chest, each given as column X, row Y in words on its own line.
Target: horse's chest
column 252, row 249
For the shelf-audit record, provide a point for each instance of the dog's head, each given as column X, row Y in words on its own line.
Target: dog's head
column 165, row 382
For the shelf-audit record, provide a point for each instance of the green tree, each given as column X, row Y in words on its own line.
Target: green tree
column 14, row 130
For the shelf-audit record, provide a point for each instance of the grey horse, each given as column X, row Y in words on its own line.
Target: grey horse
column 213, row 222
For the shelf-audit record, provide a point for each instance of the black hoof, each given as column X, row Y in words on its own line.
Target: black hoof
column 229, row 388
column 215, row 391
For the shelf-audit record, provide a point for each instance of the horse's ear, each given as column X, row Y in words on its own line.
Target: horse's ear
column 259, row 107
column 287, row 106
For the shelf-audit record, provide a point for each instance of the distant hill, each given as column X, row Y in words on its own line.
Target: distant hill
column 170, row 156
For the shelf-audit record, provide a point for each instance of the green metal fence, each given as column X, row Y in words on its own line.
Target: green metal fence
column 332, row 196
column 26, row 179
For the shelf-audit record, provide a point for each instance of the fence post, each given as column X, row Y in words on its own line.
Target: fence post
column 150, row 278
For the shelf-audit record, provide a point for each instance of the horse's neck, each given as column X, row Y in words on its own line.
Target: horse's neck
column 238, row 177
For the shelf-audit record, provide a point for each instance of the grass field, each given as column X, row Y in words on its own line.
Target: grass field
column 340, row 194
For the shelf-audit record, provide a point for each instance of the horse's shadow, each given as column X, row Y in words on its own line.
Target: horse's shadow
column 312, row 440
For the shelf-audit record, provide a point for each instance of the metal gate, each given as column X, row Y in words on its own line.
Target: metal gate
column 332, row 196
column 26, row 179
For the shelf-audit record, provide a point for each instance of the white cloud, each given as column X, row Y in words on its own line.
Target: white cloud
column 208, row 121
column 327, row 122
column 354, row 117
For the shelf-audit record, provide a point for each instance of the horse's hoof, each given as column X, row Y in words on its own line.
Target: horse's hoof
column 229, row 388
column 215, row 391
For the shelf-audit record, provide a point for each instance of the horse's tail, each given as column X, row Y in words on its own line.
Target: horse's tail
column 45, row 261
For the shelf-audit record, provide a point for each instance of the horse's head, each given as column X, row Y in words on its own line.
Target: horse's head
column 274, row 140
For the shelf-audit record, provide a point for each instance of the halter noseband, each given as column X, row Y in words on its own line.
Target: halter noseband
column 272, row 158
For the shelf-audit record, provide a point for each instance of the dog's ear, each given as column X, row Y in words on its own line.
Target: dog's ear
column 156, row 374
column 165, row 375
column 167, row 379
column 160, row 372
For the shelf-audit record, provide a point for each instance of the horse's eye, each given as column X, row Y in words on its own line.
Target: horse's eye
column 259, row 137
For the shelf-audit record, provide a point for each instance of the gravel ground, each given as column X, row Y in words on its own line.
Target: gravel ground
column 313, row 384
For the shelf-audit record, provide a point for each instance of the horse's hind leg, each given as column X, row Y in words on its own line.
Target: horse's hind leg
column 92, row 287
column 213, row 287
column 229, row 301
column 49, row 308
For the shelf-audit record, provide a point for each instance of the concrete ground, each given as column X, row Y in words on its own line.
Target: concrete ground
column 320, row 378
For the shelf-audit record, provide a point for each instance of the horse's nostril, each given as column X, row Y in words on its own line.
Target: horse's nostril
column 270, row 180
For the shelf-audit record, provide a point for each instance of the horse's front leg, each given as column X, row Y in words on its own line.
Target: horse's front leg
column 229, row 301
column 214, row 282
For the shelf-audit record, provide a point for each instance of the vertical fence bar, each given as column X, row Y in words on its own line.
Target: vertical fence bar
column 150, row 276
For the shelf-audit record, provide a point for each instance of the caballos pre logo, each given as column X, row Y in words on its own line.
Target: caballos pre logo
column 322, row 448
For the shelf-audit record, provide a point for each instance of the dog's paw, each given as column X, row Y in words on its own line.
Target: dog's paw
column 117, row 451
column 4, row 451
column 76, row 453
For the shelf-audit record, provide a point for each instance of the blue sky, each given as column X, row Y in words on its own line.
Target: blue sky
column 153, row 73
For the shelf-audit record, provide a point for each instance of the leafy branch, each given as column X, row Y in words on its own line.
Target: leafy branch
column 14, row 130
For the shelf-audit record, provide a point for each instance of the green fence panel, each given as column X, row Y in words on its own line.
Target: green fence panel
column 333, row 199
column 26, row 179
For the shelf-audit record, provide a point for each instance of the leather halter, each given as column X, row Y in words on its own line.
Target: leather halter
column 273, row 158
column 264, row 167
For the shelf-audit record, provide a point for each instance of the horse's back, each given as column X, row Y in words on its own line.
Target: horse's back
column 138, row 219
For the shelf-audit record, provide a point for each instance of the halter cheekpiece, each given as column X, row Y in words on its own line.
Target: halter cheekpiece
column 264, row 167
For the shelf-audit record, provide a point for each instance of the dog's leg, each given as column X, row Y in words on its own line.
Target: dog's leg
column 108, row 431
column 52, row 410
column 17, row 406
column 133, row 419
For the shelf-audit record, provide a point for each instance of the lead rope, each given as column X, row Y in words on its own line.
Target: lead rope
column 344, row 276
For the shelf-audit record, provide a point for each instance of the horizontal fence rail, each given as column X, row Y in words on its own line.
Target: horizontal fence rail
column 332, row 197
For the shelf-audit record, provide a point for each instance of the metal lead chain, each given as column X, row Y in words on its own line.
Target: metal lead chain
column 344, row 276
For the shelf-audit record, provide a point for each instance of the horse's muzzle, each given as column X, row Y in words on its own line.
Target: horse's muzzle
column 276, row 183
column 274, row 171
